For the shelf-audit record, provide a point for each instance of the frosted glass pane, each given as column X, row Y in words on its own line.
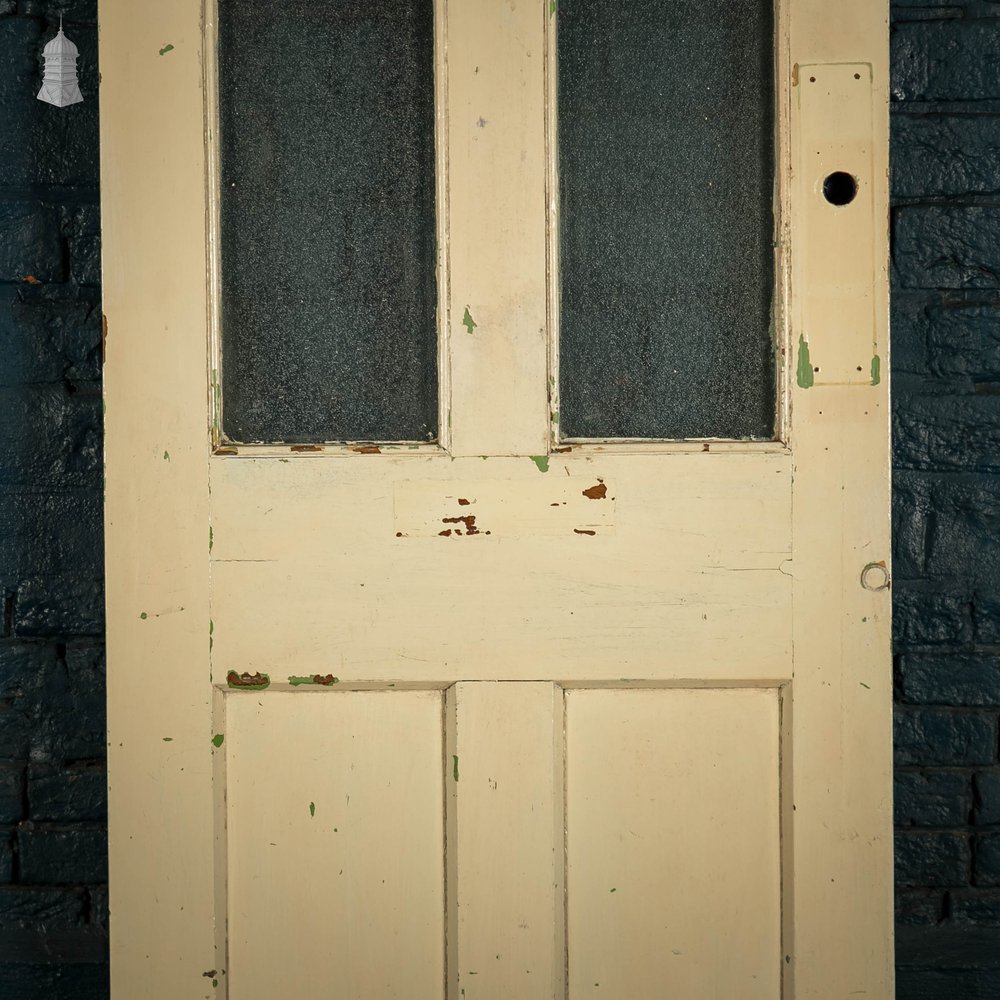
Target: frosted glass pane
column 666, row 133
column 328, row 233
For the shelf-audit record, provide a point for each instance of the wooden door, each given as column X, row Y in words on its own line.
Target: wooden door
column 502, row 715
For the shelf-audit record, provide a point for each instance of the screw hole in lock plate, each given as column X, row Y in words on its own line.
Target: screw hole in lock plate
column 839, row 188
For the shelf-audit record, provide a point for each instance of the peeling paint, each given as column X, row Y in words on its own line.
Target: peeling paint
column 597, row 492
column 468, row 322
column 876, row 369
column 469, row 520
column 804, row 370
column 166, row 48
column 542, row 461
column 305, row 447
column 218, row 739
column 247, row 681
column 368, row 449
column 326, row 680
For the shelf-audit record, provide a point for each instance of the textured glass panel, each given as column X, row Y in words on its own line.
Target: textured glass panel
column 328, row 233
column 666, row 125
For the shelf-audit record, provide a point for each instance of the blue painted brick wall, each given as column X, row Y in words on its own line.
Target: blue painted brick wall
column 946, row 517
column 53, row 803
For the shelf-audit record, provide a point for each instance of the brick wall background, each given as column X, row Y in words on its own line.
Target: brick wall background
column 946, row 354
column 53, row 842
column 946, row 440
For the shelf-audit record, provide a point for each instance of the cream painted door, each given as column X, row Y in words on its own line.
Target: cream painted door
column 624, row 732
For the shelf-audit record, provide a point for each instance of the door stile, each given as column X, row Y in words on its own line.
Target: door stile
column 161, row 808
column 841, row 784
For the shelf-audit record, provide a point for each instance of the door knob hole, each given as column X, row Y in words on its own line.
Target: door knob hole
column 839, row 188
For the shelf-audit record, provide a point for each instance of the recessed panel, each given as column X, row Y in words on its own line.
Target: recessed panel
column 335, row 807
column 673, row 879
column 666, row 228
column 327, row 211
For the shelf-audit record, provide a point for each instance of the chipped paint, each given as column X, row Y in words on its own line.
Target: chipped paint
column 168, row 739
column 247, row 681
column 542, row 461
column 583, row 531
column 804, row 369
column 166, row 48
column 876, row 369
column 469, row 520
column 454, row 766
column 368, row 449
column 325, row 680
column 597, row 492
column 463, row 502
column 468, row 322
column 218, row 739
column 305, row 447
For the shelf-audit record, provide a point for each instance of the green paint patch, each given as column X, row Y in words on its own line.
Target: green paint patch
column 166, row 48
column 166, row 456
column 211, row 538
column 555, row 416
column 168, row 739
column 312, row 808
column 218, row 739
column 454, row 766
column 552, row 6
column 864, row 685
column 296, row 681
column 612, row 890
column 143, row 615
column 468, row 322
column 542, row 461
column 876, row 369
column 804, row 369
